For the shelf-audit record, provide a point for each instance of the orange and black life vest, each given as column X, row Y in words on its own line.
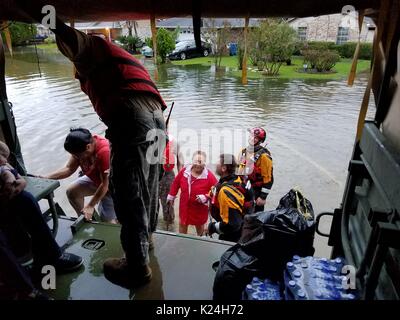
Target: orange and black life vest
column 255, row 176
column 239, row 194
column 118, row 74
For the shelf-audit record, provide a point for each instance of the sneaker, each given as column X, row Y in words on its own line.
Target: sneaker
column 117, row 271
column 68, row 262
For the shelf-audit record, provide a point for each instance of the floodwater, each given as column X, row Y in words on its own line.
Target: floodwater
column 310, row 124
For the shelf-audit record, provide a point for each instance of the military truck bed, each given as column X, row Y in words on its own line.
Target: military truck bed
column 181, row 265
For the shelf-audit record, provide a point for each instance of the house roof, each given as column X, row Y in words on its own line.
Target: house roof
column 116, row 10
column 98, row 25
column 187, row 23
column 367, row 20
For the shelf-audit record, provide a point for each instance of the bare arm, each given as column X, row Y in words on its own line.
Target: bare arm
column 98, row 195
column 71, row 166
column 67, row 34
column 83, row 50
column 101, row 190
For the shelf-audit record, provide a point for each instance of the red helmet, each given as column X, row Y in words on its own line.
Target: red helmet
column 258, row 133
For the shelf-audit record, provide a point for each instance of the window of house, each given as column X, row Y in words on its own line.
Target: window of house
column 302, row 33
column 343, row 35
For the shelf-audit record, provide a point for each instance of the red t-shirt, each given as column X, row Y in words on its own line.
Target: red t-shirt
column 101, row 162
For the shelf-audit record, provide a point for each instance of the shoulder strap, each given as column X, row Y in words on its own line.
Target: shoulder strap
column 261, row 152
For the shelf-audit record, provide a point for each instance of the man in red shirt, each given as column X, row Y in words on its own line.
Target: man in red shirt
column 92, row 155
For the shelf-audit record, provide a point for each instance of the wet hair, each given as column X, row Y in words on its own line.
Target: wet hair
column 229, row 161
column 77, row 140
column 199, row 152
column 4, row 150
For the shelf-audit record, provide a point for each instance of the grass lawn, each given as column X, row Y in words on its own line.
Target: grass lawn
column 47, row 45
column 342, row 68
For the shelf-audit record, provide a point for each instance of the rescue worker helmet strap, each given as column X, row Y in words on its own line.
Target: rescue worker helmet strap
column 259, row 133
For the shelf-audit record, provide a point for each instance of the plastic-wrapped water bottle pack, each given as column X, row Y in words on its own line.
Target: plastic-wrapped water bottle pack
column 262, row 290
column 312, row 278
column 306, row 278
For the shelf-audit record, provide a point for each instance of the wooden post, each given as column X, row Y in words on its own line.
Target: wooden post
column 154, row 38
column 8, row 40
column 244, row 62
column 7, row 36
column 108, row 34
column 353, row 70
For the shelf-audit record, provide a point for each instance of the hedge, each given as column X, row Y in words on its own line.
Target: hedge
column 346, row 50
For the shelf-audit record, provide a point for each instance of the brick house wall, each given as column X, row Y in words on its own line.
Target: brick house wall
column 326, row 28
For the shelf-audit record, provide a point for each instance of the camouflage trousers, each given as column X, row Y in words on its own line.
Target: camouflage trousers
column 168, row 213
column 135, row 174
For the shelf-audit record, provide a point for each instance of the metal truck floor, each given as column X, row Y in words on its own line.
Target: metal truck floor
column 181, row 265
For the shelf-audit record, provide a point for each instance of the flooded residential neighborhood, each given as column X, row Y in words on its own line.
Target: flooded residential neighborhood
column 206, row 155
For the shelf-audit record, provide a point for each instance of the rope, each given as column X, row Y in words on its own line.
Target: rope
column 36, row 52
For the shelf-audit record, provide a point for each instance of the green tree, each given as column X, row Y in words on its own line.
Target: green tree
column 165, row 42
column 148, row 42
column 21, row 32
column 255, row 52
column 274, row 42
column 219, row 37
column 130, row 43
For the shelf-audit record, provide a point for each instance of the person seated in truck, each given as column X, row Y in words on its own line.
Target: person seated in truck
column 90, row 153
column 10, row 180
column 19, row 211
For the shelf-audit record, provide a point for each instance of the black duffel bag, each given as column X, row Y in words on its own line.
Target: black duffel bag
column 269, row 240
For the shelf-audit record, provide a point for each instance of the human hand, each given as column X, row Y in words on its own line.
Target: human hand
column 88, row 212
column 170, row 203
column 19, row 186
column 260, row 202
column 201, row 198
column 9, row 185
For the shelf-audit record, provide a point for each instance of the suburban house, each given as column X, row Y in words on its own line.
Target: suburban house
column 186, row 26
column 110, row 30
column 336, row 28
column 333, row 28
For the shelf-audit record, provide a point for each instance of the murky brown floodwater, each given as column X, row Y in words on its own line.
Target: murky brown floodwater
column 310, row 123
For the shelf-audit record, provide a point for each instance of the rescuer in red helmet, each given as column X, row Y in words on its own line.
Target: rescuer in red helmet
column 255, row 164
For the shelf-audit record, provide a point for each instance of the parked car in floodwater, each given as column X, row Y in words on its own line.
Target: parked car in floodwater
column 187, row 49
column 147, row 52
